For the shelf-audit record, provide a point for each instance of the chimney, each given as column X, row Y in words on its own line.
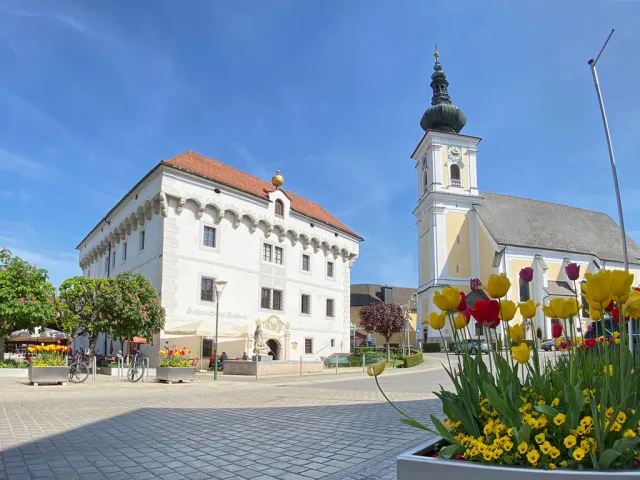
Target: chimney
column 386, row 293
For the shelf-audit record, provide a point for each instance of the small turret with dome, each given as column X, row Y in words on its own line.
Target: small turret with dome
column 442, row 115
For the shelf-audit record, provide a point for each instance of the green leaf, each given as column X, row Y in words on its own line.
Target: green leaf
column 607, row 457
column 498, row 403
column 416, row 424
column 547, row 410
column 619, row 447
column 444, row 433
column 523, row 434
column 450, row 451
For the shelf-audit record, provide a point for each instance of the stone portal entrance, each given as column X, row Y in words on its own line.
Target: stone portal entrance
column 274, row 349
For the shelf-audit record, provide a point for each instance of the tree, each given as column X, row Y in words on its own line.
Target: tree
column 134, row 305
column 382, row 318
column 26, row 296
column 82, row 311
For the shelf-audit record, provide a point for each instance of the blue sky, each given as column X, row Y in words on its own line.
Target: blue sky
column 94, row 94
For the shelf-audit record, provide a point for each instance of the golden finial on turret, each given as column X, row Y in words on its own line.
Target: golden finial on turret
column 436, row 54
column 277, row 180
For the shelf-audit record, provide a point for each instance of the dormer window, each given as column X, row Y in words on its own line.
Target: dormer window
column 279, row 208
column 455, row 176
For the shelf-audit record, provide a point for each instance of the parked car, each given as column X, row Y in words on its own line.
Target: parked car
column 548, row 345
column 472, row 346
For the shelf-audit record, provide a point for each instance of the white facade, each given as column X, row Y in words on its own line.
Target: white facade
column 252, row 249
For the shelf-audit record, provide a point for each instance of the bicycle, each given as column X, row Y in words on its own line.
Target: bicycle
column 136, row 369
column 78, row 370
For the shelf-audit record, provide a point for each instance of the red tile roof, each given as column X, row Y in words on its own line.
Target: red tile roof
column 211, row 169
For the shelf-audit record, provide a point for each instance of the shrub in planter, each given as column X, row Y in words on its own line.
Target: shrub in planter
column 413, row 360
column 431, row 347
column 579, row 413
column 12, row 364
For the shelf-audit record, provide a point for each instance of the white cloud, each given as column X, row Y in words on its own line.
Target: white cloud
column 21, row 166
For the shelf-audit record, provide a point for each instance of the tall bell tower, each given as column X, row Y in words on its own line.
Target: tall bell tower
column 447, row 191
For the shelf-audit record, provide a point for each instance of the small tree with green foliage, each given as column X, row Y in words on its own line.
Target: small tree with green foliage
column 26, row 296
column 382, row 318
column 81, row 309
column 134, row 306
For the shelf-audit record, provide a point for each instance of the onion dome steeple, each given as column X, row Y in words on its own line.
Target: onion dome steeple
column 442, row 115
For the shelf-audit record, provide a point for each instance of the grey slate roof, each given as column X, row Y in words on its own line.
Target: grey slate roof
column 367, row 293
column 560, row 289
column 523, row 222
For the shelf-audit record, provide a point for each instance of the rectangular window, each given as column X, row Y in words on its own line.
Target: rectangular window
column 271, row 299
column 330, row 308
column 330, row 269
column 142, row 234
column 106, row 264
column 267, row 254
column 308, row 346
column 207, row 289
column 209, row 237
column 279, row 255
column 479, row 330
column 306, row 263
column 333, row 342
column 113, row 258
column 525, row 292
column 305, row 303
column 265, row 298
column 124, row 252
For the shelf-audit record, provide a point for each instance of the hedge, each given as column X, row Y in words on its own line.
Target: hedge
column 431, row 347
column 413, row 360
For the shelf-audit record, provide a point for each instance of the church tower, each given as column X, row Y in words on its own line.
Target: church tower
column 447, row 191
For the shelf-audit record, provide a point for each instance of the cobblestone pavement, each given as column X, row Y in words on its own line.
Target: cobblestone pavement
column 283, row 429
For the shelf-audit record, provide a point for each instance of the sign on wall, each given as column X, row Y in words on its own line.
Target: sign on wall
column 212, row 312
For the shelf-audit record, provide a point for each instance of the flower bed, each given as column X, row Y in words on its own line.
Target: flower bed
column 175, row 365
column 578, row 413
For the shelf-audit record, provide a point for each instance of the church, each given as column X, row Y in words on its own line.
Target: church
column 465, row 233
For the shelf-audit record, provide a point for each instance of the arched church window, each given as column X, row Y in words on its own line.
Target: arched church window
column 455, row 176
column 525, row 292
column 279, row 208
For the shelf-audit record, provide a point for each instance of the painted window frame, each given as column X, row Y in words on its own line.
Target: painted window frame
column 202, row 301
column 302, row 270
column 302, row 312
column 216, row 235
column 333, row 307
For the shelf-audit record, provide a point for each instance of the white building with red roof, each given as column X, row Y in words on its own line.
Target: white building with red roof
column 193, row 221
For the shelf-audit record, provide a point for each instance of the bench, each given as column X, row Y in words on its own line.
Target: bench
column 340, row 361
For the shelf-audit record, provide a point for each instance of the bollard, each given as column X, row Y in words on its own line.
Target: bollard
column 301, row 365
column 336, row 365
column 257, row 365
column 120, row 369
column 145, row 362
column 93, row 365
column 363, row 364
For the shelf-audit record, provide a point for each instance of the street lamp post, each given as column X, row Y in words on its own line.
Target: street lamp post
column 596, row 82
column 219, row 286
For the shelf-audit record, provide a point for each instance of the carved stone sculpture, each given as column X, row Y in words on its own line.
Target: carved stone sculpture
column 259, row 345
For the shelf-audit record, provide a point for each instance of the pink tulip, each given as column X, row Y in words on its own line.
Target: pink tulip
column 556, row 330
column 526, row 274
column 573, row 271
column 475, row 284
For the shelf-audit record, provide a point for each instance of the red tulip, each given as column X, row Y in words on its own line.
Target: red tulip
column 609, row 307
column 615, row 314
column 475, row 284
column 487, row 312
column 563, row 345
column 556, row 330
column 610, row 339
column 462, row 306
column 573, row 271
column 526, row 274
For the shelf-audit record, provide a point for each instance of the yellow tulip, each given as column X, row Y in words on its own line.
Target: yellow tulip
column 498, row 285
column 447, row 300
column 632, row 305
column 516, row 332
column 570, row 308
column 437, row 320
column 599, row 286
column 376, row 369
column 521, row 353
column 507, row 310
column 621, row 282
column 548, row 311
column 557, row 305
column 460, row 321
column 528, row 308
column 594, row 311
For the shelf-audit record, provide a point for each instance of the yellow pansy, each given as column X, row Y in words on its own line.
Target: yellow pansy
column 616, row 427
column 528, row 308
column 632, row 305
column 555, row 402
column 376, row 369
column 545, row 448
column 621, row 282
column 460, row 321
column 570, row 441
column 554, row 452
column 521, row 353
column 599, row 286
column 507, row 310
column 522, row 448
column 447, row 300
column 621, row 417
column 559, row 419
column 586, row 421
column 516, row 332
column 540, row 438
column 629, row 433
column 579, row 454
column 498, row 285
column 533, row 456
column 552, row 466
column 437, row 320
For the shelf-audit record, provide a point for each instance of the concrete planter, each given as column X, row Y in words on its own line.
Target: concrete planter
column 38, row 375
column 175, row 374
column 418, row 464
column 107, row 371
column 14, row 372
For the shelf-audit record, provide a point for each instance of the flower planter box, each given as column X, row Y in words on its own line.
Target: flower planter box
column 418, row 464
column 14, row 372
column 175, row 374
column 38, row 375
